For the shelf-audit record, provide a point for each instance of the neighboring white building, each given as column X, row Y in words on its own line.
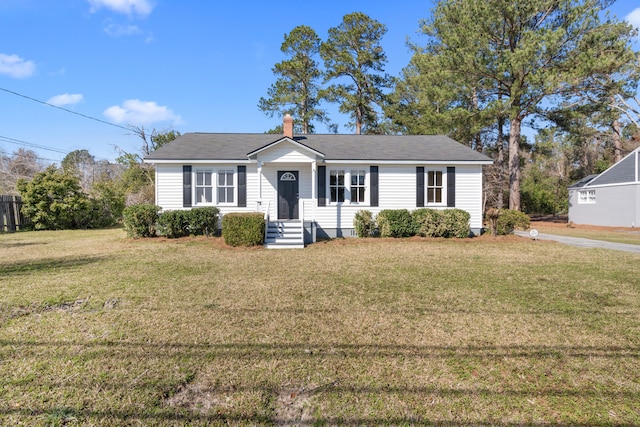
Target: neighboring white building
column 318, row 181
column 611, row 198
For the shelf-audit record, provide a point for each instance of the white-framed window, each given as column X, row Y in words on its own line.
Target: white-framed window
column 587, row 197
column 357, row 189
column 226, row 186
column 336, row 185
column 204, row 187
column 348, row 186
column 435, row 187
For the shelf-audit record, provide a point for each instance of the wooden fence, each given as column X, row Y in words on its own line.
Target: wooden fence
column 11, row 217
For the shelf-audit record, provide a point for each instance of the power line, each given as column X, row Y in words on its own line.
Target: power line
column 31, row 144
column 65, row 109
column 40, row 147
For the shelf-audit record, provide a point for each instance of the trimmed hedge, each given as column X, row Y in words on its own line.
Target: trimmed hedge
column 441, row 223
column 364, row 223
column 509, row 220
column 173, row 224
column 429, row 222
column 395, row 223
column 243, row 229
column 203, row 221
column 140, row 220
column 456, row 223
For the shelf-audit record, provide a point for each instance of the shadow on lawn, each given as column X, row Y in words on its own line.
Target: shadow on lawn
column 45, row 265
column 112, row 352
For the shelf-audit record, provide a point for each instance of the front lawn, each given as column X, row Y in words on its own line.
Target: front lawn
column 97, row 329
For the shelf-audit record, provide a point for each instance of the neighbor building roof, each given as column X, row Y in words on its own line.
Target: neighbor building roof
column 236, row 146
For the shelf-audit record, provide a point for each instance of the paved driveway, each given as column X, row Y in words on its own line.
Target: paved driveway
column 583, row 243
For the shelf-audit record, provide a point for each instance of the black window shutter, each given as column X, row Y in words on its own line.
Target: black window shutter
column 420, row 186
column 322, row 186
column 186, row 186
column 451, row 187
column 373, row 179
column 242, row 186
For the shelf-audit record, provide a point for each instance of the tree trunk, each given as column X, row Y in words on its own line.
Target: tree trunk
column 514, row 163
column 500, row 162
column 617, row 141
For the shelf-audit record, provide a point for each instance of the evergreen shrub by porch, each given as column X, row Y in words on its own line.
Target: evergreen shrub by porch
column 203, row 221
column 364, row 223
column 243, row 229
column 140, row 220
column 395, row 223
column 173, row 224
column 456, row 223
column 509, row 220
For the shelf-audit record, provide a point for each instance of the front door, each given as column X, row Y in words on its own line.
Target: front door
column 287, row 194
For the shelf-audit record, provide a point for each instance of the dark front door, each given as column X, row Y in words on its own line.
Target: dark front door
column 287, row 194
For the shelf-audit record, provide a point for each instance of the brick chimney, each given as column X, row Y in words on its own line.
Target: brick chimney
column 287, row 126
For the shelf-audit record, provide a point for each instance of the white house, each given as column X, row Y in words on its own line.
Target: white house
column 316, row 183
column 611, row 198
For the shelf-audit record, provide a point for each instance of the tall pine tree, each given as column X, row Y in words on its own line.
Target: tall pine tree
column 296, row 90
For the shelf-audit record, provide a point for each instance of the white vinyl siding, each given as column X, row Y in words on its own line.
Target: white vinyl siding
column 397, row 190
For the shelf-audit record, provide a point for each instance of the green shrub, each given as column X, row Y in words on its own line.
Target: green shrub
column 429, row 222
column 203, row 221
column 456, row 223
column 54, row 200
column 140, row 220
column 364, row 223
column 173, row 224
column 395, row 223
column 509, row 220
column 243, row 229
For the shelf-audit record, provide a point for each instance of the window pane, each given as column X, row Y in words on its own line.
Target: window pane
column 341, row 194
column 333, row 194
column 229, row 178
column 430, row 195
column 438, row 178
column 208, row 194
column 199, row 195
column 361, row 194
column 438, row 195
column 221, row 195
column 207, row 178
column 199, row 178
column 229, row 194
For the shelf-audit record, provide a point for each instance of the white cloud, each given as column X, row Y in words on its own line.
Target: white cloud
column 634, row 17
column 16, row 67
column 141, row 113
column 115, row 30
column 126, row 7
column 65, row 99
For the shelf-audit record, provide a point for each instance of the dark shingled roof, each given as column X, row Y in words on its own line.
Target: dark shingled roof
column 237, row 146
column 584, row 181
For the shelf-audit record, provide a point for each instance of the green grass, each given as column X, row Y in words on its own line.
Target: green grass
column 97, row 329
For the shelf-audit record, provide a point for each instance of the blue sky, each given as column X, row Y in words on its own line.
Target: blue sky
column 192, row 66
